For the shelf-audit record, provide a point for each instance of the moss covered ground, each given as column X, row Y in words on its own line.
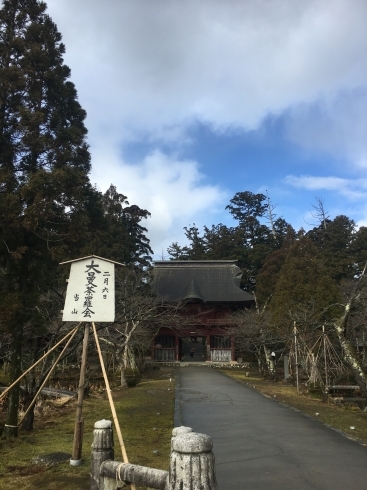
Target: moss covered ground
column 145, row 413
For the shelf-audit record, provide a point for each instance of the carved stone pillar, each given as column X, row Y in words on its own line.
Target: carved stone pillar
column 179, row 431
column 192, row 464
column 102, row 450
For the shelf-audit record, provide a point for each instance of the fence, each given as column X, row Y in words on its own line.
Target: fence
column 192, row 464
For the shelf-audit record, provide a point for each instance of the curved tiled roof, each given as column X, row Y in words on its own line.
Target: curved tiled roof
column 203, row 280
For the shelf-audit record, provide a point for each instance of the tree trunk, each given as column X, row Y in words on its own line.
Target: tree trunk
column 260, row 361
column 27, row 423
column 11, row 423
column 31, row 390
column 351, row 359
column 269, row 362
column 123, row 382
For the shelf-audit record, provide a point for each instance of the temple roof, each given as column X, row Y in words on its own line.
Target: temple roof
column 203, row 280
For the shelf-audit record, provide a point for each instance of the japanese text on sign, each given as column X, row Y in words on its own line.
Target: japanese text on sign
column 90, row 295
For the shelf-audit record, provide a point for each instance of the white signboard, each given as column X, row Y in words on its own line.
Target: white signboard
column 90, row 295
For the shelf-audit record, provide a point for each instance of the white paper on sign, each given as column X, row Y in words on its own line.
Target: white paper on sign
column 90, row 295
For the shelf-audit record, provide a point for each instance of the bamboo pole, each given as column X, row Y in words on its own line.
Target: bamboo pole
column 296, row 355
column 39, row 360
column 325, row 363
column 112, row 405
column 78, row 432
column 48, row 375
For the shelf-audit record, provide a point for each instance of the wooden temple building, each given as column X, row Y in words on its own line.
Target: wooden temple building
column 209, row 291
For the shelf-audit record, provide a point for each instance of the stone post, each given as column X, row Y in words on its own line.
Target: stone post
column 177, row 431
column 102, row 450
column 192, row 465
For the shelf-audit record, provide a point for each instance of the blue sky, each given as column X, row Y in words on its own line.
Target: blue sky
column 190, row 102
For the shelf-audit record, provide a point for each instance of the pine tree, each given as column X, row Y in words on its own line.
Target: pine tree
column 304, row 291
column 124, row 237
column 44, row 161
column 333, row 238
column 249, row 243
column 177, row 252
column 269, row 273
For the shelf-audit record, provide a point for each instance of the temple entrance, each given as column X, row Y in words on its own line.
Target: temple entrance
column 193, row 349
column 197, row 347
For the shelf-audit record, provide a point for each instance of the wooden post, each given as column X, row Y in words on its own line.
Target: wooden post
column 78, row 431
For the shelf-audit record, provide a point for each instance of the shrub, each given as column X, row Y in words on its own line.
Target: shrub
column 132, row 377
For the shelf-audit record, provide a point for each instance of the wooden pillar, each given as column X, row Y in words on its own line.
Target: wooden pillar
column 233, row 349
column 76, row 458
column 177, row 347
column 208, row 347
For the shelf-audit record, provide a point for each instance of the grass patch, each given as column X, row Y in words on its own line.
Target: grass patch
column 339, row 417
column 145, row 413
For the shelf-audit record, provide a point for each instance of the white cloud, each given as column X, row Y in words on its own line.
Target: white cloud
column 336, row 124
column 362, row 222
column 352, row 189
column 172, row 190
column 147, row 70
column 159, row 64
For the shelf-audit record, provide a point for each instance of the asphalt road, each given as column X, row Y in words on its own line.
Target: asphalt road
column 261, row 444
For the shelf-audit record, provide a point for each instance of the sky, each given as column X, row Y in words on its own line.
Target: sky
column 192, row 101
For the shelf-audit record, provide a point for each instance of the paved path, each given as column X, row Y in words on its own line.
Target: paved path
column 261, row 444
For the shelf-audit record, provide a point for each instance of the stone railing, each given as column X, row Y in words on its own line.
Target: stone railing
column 192, row 465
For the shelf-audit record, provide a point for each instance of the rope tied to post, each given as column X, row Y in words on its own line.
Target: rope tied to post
column 118, row 472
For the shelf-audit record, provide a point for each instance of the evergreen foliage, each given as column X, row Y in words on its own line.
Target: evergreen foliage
column 115, row 229
column 249, row 243
column 49, row 211
column 277, row 262
column 305, row 291
column 333, row 238
column 44, row 161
